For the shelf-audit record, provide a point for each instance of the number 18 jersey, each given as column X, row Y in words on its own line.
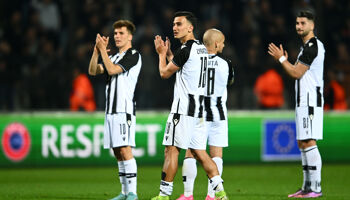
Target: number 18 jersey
column 190, row 82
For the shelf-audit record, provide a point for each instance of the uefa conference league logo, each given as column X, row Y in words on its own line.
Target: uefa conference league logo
column 16, row 142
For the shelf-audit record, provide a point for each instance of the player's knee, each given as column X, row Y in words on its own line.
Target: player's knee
column 189, row 154
column 303, row 144
column 200, row 155
column 171, row 151
column 123, row 153
column 215, row 152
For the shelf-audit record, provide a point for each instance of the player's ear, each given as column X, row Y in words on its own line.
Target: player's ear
column 190, row 30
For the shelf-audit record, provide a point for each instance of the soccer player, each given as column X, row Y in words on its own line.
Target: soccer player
column 308, row 72
column 190, row 65
column 219, row 76
column 122, row 69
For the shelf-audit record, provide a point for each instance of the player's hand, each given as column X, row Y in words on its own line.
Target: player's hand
column 101, row 42
column 160, row 46
column 106, row 40
column 276, row 52
column 167, row 43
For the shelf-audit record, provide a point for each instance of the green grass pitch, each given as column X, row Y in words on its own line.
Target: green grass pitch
column 242, row 181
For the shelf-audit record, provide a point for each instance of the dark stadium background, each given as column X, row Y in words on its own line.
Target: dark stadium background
column 39, row 47
column 43, row 41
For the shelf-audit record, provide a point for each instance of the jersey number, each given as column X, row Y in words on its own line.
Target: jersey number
column 305, row 123
column 211, row 81
column 202, row 78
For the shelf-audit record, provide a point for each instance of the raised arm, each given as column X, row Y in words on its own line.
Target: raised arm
column 94, row 67
column 295, row 71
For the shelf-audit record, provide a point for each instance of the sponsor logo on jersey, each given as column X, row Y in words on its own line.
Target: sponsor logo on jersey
column 202, row 51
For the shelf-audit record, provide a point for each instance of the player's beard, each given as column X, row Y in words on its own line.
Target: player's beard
column 304, row 33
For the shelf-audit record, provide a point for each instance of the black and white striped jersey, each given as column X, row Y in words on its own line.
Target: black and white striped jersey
column 309, row 88
column 190, row 82
column 220, row 75
column 120, row 87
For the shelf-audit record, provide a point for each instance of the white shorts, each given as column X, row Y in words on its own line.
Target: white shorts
column 309, row 123
column 217, row 132
column 184, row 132
column 119, row 130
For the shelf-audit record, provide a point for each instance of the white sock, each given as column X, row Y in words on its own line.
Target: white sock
column 122, row 177
column 189, row 173
column 306, row 174
column 166, row 188
column 131, row 175
column 314, row 163
column 218, row 161
column 216, row 183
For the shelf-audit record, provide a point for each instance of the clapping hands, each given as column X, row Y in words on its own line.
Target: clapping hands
column 101, row 43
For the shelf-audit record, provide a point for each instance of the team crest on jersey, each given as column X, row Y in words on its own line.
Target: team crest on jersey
column 310, row 44
column 16, row 142
column 311, row 117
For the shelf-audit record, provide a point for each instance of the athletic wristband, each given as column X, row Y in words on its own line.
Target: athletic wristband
column 282, row 59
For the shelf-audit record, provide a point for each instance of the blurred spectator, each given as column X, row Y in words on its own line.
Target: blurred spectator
column 7, row 76
column 335, row 98
column 82, row 96
column 269, row 90
column 49, row 14
column 342, row 66
column 40, row 41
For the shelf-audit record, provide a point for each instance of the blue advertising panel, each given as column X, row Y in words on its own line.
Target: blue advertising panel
column 279, row 141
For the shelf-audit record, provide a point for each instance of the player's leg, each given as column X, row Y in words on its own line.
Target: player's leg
column 217, row 139
column 107, row 141
column 211, row 169
column 197, row 147
column 129, row 160
column 121, row 170
column 216, row 154
column 171, row 155
column 176, row 137
column 129, row 178
column 122, row 140
column 309, row 129
column 189, row 173
column 313, row 163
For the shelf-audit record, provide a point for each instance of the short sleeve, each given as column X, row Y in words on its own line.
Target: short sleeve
column 309, row 53
column 181, row 55
column 129, row 60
